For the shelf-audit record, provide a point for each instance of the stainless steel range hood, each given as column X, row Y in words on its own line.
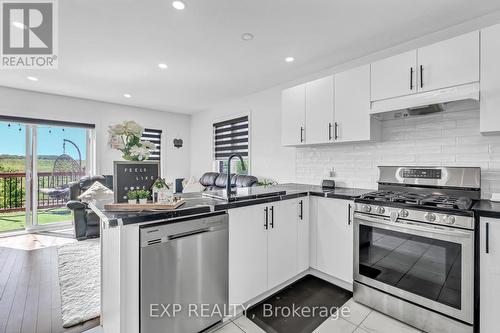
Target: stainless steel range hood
column 427, row 102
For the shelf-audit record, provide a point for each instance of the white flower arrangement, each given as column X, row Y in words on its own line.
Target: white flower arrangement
column 126, row 137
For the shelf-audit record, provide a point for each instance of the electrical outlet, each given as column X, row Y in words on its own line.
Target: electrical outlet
column 332, row 172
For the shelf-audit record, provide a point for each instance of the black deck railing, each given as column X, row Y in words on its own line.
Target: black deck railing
column 13, row 189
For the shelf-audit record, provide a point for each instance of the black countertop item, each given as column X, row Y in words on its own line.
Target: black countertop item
column 196, row 203
column 487, row 208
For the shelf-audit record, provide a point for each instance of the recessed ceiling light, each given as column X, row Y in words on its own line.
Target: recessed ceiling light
column 178, row 4
column 162, row 66
column 289, row 59
column 127, row 95
column 32, row 78
column 247, row 36
column 18, row 25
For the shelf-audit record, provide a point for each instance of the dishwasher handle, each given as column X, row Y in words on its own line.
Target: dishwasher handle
column 189, row 233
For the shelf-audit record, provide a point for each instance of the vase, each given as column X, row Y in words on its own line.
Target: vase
column 143, row 201
column 132, row 201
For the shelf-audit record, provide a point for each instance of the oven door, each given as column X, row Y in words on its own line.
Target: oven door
column 432, row 266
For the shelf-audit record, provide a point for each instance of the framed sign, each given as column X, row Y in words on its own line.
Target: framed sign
column 132, row 175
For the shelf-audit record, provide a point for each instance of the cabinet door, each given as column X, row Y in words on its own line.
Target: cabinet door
column 489, row 256
column 449, row 63
column 394, row 76
column 247, row 253
column 490, row 80
column 335, row 238
column 293, row 115
column 319, row 110
column 303, row 234
column 352, row 105
column 282, row 242
column 313, row 231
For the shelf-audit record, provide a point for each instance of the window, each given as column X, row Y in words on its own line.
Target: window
column 155, row 137
column 231, row 136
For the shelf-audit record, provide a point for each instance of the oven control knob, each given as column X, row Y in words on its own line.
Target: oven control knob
column 431, row 217
column 404, row 213
column 366, row 208
column 380, row 210
column 449, row 219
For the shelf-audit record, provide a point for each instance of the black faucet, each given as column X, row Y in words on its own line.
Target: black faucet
column 228, row 185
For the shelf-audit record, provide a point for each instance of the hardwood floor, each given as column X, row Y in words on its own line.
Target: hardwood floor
column 29, row 286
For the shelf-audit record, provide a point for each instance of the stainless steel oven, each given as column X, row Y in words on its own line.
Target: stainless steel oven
column 417, row 263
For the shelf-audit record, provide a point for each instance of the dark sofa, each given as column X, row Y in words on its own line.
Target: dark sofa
column 217, row 181
column 85, row 221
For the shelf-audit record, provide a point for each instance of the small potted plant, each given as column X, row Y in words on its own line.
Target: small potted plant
column 132, row 197
column 143, row 196
column 162, row 194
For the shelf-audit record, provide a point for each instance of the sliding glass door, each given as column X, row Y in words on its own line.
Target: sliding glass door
column 13, row 166
column 36, row 170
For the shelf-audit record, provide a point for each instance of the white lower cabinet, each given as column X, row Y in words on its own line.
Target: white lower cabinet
column 489, row 257
column 263, row 246
column 334, row 237
column 282, row 242
column 303, row 234
column 247, row 253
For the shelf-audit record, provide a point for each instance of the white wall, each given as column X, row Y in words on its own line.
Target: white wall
column 270, row 160
column 175, row 162
column 267, row 158
column 450, row 138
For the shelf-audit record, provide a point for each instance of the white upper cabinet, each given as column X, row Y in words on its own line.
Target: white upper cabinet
column 441, row 65
column 293, row 115
column 449, row 63
column 319, row 110
column 395, row 76
column 490, row 80
column 352, row 106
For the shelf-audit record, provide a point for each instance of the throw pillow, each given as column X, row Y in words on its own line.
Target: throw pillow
column 96, row 192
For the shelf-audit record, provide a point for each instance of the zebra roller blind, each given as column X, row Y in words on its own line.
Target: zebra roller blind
column 155, row 137
column 231, row 136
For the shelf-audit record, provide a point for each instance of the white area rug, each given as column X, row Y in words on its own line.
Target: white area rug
column 79, row 279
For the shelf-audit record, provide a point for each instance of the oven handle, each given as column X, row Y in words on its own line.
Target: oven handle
column 448, row 232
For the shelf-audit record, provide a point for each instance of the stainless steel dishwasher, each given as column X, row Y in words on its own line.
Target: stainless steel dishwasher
column 183, row 268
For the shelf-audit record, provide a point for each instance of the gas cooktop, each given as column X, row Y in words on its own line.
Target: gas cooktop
column 420, row 199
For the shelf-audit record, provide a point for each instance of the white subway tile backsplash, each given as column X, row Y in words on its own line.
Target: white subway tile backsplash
column 449, row 138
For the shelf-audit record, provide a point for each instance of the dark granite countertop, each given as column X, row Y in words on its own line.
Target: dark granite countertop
column 196, row 203
column 487, row 208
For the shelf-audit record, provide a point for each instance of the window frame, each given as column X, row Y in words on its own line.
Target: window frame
column 248, row 159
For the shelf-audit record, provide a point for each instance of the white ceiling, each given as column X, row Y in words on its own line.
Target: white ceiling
column 112, row 47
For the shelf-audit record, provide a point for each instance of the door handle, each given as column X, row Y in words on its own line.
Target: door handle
column 349, row 221
column 336, row 130
column 272, row 216
column 487, row 237
column 301, row 134
column 329, row 131
column 266, row 217
column 421, row 76
column 301, row 214
column 411, row 78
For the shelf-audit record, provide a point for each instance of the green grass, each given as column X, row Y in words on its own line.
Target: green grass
column 15, row 220
column 17, row 165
